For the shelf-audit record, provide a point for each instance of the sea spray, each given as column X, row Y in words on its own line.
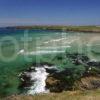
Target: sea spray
column 34, row 79
column 39, row 78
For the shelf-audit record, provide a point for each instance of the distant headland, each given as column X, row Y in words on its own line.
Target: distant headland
column 90, row 28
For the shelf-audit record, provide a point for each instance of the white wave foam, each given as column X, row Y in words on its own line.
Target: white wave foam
column 39, row 77
column 54, row 40
column 57, row 47
column 67, row 40
column 21, row 51
column 43, row 52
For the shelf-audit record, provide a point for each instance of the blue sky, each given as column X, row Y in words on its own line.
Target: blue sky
column 64, row 12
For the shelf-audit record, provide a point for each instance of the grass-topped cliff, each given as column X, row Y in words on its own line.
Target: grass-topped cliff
column 63, row 28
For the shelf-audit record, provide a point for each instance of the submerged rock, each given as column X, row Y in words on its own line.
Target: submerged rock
column 78, row 58
column 94, row 64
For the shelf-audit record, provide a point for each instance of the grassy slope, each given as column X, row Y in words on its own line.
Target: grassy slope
column 75, row 95
column 64, row 28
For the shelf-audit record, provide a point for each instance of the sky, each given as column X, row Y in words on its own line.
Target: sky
column 49, row 12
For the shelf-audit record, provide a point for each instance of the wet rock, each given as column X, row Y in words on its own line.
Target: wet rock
column 25, row 79
column 51, row 71
column 78, row 59
column 31, row 69
column 34, row 76
column 55, row 85
column 25, row 84
column 82, row 57
column 58, row 82
column 94, row 64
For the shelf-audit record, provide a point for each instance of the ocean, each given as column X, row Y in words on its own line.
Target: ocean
column 20, row 48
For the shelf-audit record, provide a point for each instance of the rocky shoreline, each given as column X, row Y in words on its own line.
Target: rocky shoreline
column 63, row 80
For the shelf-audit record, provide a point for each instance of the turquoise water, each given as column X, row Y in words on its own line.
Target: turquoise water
column 16, row 54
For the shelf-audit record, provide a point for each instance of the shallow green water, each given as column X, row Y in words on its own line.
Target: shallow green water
column 16, row 57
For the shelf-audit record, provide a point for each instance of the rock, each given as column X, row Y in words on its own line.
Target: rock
column 78, row 59
column 31, row 69
column 58, row 82
column 94, row 64
column 25, row 84
column 89, row 83
column 33, row 72
column 25, row 79
column 51, row 71
column 82, row 57
column 55, row 85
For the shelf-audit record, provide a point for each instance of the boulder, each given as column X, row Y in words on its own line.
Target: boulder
column 89, row 83
column 55, row 85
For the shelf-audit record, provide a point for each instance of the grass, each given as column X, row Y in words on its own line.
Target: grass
column 63, row 28
column 75, row 95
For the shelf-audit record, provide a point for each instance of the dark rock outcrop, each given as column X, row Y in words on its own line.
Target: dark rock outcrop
column 77, row 58
column 55, row 85
column 61, row 81
column 89, row 83
column 94, row 64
